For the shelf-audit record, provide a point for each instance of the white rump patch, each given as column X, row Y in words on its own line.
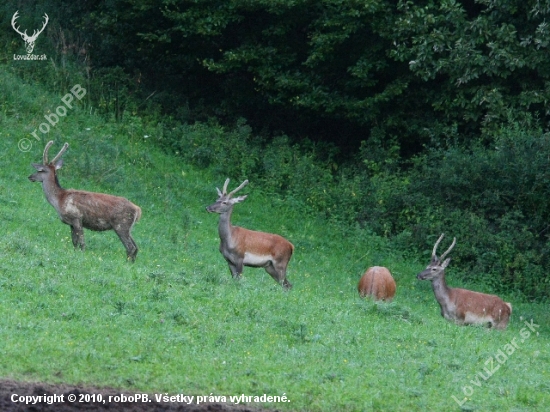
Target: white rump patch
column 251, row 259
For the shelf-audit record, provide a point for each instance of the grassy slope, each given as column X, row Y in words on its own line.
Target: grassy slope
column 176, row 322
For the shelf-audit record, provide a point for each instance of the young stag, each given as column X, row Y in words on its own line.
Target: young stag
column 462, row 306
column 80, row 209
column 242, row 247
column 378, row 283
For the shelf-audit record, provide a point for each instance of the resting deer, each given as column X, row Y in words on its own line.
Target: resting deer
column 242, row 247
column 80, row 209
column 462, row 306
column 378, row 283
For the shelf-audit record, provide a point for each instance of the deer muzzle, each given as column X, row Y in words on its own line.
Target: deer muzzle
column 423, row 275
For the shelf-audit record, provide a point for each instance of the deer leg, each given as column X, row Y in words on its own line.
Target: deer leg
column 77, row 234
column 278, row 272
column 129, row 244
column 236, row 269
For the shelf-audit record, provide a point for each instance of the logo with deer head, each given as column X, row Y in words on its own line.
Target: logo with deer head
column 29, row 40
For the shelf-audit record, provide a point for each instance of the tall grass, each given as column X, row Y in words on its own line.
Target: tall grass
column 176, row 322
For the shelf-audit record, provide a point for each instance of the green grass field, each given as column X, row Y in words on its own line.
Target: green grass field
column 175, row 321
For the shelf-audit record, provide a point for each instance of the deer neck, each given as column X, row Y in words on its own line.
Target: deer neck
column 443, row 295
column 225, row 227
column 52, row 190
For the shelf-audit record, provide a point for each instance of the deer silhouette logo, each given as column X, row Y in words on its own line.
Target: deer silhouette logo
column 29, row 40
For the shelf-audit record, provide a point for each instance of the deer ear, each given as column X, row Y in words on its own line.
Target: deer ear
column 238, row 199
column 446, row 263
column 38, row 166
column 59, row 164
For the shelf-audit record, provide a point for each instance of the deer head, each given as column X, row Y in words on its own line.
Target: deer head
column 29, row 40
column 437, row 265
column 46, row 168
column 225, row 200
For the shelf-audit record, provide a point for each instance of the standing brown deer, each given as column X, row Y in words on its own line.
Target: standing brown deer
column 378, row 283
column 242, row 247
column 462, row 306
column 80, row 209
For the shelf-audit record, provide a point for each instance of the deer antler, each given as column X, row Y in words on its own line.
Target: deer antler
column 243, row 184
column 434, row 257
column 63, row 149
column 448, row 250
column 45, row 155
column 224, row 191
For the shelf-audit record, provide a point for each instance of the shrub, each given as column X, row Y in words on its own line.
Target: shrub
column 230, row 152
column 490, row 198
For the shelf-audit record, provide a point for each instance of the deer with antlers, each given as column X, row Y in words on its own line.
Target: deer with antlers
column 242, row 247
column 80, row 209
column 462, row 306
column 29, row 40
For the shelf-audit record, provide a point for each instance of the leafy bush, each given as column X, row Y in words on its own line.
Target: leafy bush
column 490, row 198
column 232, row 152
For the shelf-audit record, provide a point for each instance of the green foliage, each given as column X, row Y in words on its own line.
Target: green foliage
column 299, row 172
column 409, row 72
column 279, row 64
column 231, row 152
column 486, row 59
column 489, row 198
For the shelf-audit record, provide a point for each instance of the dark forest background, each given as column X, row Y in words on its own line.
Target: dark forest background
column 407, row 119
